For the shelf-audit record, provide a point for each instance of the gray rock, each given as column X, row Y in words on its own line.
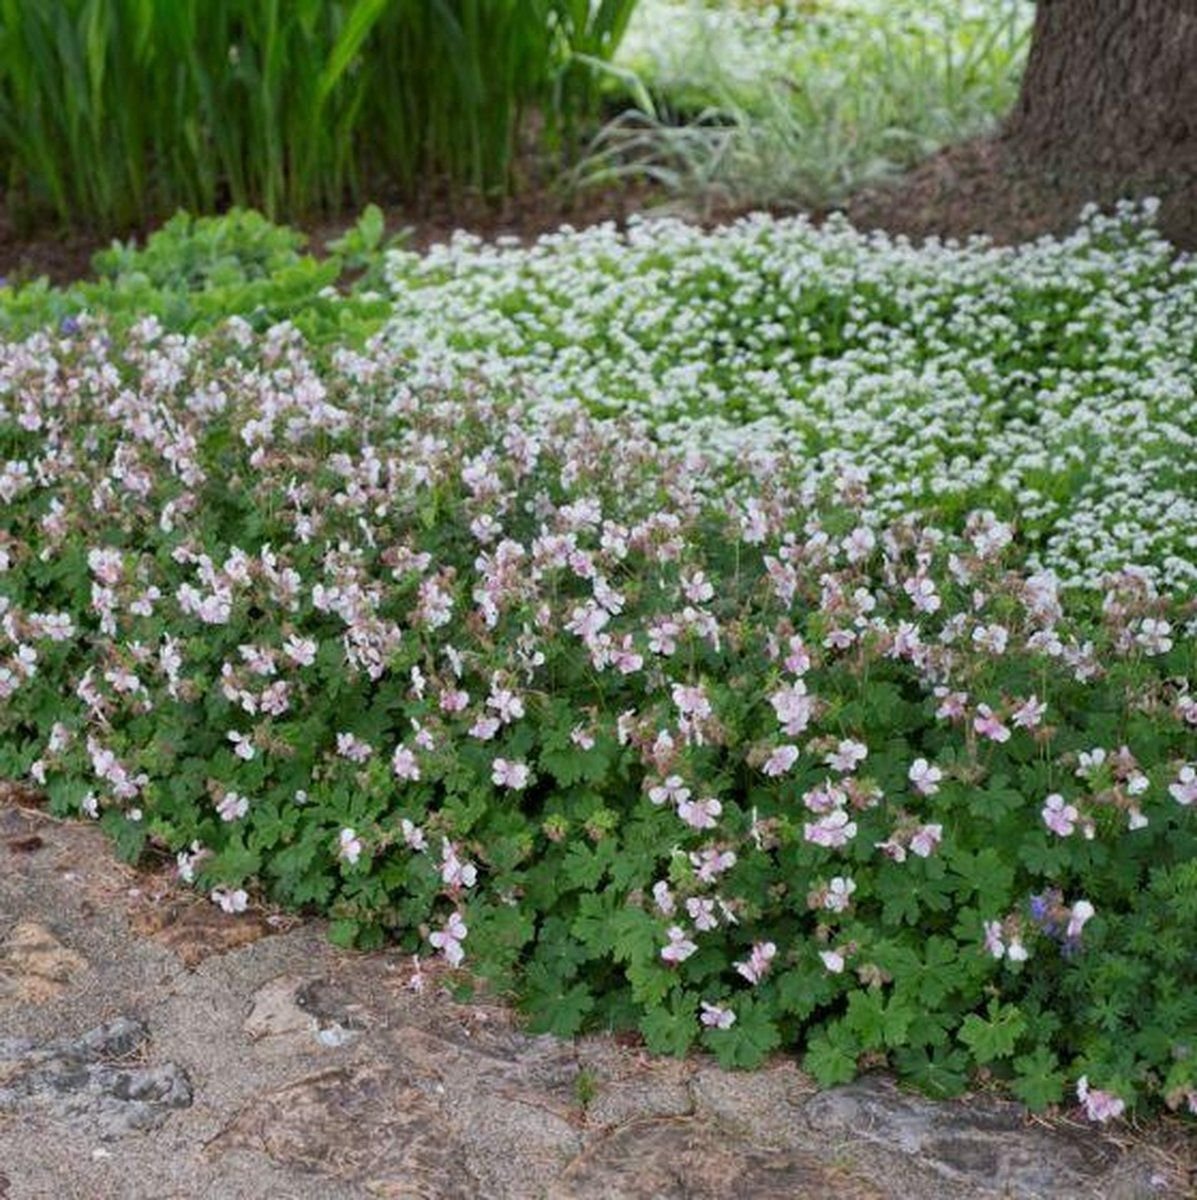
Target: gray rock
column 92, row 1081
column 984, row 1143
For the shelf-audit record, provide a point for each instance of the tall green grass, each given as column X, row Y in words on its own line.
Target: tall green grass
column 115, row 111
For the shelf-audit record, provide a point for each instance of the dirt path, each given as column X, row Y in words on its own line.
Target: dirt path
column 152, row 1047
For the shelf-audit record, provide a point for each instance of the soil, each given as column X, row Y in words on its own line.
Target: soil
column 984, row 187
column 63, row 256
column 976, row 187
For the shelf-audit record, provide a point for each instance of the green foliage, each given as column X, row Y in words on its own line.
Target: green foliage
column 504, row 684
column 113, row 112
column 195, row 272
column 801, row 104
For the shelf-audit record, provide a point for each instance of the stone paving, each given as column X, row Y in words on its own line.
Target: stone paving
column 151, row 1047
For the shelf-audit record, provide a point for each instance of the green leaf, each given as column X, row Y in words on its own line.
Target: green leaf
column 749, row 1041
column 942, row 1073
column 831, row 1056
column 671, row 1028
column 343, row 933
column 1039, row 1081
column 996, row 1037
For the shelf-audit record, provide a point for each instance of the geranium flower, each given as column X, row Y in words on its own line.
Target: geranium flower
column 513, row 775
column 924, row 777
column 1099, row 1106
column 713, row 1016
column 756, row 966
column 448, row 939
column 680, row 947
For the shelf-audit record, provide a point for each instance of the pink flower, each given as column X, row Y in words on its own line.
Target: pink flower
column 847, row 756
column 922, row 593
column 838, row 895
column 691, row 701
column 993, row 638
column 833, row 960
column 994, row 941
column 507, row 705
column 715, row 1017
column 1154, row 636
column 1184, row 790
column 680, row 947
column 413, row 835
column 988, row 725
column 835, row 830
column 1029, row 714
column 925, row 839
column 485, row 728
column 672, row 791
column 301, row 651
column 1099, row 1106
column 797, row 661
column 1082, row 912
column 700, row 814
column 232, row 807
column 781, row 760
column 757, row 965
column 454, row 872
column 448, row 939
column 793, row 707
column 1059, row 816
column 663, row 898
column 924, row 777
column 243, row 747
column 513, row 775
column 710, row 864
column 353, row 748
column 702, row 913
column 951, row 704
column 403, row 763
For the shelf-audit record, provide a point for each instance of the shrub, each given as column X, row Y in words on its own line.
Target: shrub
column 538, row 696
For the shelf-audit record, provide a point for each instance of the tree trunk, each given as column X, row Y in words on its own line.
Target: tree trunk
column 1110, row 90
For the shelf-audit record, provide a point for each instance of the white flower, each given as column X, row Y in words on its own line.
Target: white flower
column 847, row 756
column 680, row 947
column 232, row 806
column 234, row 900
column 833, row 960
column 448, row 939
column 925, row 777
column 715, row 1017
column 349, row 847
column 513, row 775
column 1184, row 790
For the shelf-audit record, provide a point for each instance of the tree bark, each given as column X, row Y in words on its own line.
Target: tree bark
column 1110, row 89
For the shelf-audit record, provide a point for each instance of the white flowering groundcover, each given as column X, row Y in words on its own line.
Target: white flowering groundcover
column 659, row 629
column 1052, row 382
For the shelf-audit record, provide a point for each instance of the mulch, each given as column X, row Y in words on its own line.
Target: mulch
column 975, row 187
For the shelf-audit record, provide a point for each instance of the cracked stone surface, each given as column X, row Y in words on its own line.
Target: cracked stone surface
column 95, row 1081
column 151, row 1047
column 34, row 965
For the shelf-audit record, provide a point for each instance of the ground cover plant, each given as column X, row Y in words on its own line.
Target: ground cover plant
column 743, row 761
column 798, row 103
column 1052, row 382
column 195, row 272
column 116, row 112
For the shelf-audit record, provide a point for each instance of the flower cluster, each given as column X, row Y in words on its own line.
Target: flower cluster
column 535, row 693
column 1052, row 382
